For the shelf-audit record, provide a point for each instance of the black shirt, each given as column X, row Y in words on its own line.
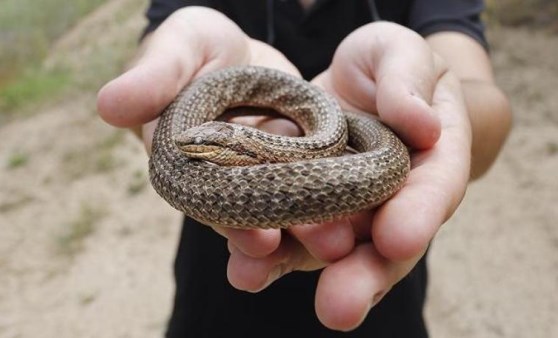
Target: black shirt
column 205, row 304
column 309, row 39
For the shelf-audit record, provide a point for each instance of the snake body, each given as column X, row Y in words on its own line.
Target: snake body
column 270, row 181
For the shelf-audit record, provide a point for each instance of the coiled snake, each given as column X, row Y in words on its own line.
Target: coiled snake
column 236, row 176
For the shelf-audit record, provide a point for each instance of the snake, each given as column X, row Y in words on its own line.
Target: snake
column 231, row 175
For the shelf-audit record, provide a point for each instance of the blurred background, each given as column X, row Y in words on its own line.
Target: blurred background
column 86, row 246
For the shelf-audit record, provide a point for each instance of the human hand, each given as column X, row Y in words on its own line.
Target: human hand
column 192, row 42
column 388, row 70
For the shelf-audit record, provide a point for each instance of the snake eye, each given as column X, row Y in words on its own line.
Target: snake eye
column 198, row 140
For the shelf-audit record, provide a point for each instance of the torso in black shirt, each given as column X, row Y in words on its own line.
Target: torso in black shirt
column 309, row 38
column 205, row 304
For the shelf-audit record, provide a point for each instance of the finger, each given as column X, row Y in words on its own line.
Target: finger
column 327, row 241
column 184, row 46
column 385, row 68
column 254, row 274
column 348, row 289
column 403, row 102
column 254, row 242
column 404, row 225
column 147, row 132
column 247, row 273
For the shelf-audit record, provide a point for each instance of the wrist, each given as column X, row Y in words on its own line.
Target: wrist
column 490, row 114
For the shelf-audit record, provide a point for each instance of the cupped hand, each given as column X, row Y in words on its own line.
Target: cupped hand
column 410, row 88
column 192, row 42
column 388, row 70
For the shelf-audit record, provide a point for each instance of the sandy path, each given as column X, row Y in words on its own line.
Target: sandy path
column 86, row 247
column 494, row 266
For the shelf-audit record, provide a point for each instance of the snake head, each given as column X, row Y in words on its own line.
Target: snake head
column 216, row 142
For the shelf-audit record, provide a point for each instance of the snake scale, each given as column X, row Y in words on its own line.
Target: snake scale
column 236, row 176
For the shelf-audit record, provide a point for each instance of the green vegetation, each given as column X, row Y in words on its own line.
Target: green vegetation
column 17, row 159
column 70, row 240
column 32, row 86
column 15, row 202
column 106, row 160
column 96, row 158
column 552, row 148
column 28, row 28
column 138, row 183
column 87, row 299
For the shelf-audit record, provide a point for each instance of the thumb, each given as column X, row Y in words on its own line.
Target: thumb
column 190, row 42
column 388, row 69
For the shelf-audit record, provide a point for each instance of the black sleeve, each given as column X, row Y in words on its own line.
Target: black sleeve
column 431, row 16
column 159, row 10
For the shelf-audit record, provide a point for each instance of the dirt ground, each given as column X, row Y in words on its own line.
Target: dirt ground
column 86, row 246
column 494, row 266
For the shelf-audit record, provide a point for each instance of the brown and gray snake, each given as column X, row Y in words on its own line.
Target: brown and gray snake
column 236, row 176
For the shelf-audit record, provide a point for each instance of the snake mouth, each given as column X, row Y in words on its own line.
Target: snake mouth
column 216, row 154
column 200, row 151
